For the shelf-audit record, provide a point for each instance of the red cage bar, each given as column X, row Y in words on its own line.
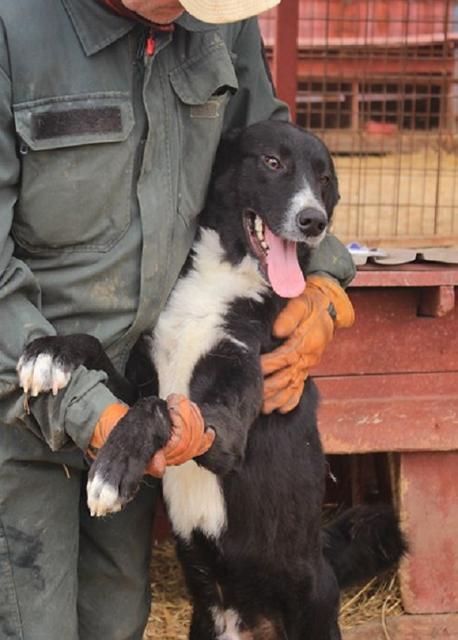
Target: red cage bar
column 377, row 80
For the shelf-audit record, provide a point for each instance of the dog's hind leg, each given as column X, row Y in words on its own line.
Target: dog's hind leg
column 323, row 623
column 315, row 617
column 315, row 624
column 202, row 626
column 200, row 560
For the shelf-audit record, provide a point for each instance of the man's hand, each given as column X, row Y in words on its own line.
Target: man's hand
column 189, row 437
column 308, row 323
column 109, row 418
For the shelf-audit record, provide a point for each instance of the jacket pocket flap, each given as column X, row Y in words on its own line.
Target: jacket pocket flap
column 74, row 120
column 198, row 79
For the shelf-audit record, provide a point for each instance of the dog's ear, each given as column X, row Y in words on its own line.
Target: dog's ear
column 331, row 195
column 225, row 152
column 232, row 135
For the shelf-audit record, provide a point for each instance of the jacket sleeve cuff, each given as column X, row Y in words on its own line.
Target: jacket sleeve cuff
column 82, row 415
column 74, row 412
column 332, row 259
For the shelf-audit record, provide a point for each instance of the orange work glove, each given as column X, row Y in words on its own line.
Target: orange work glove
column 109, row 418
column 308, row 323
column 189, row 437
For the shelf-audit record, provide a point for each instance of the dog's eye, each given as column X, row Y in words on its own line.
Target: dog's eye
column 272, row 162
column 325, row 179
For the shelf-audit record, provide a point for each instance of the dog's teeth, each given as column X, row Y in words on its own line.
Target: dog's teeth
column 259, row 228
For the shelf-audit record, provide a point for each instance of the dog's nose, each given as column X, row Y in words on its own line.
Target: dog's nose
column 311, row 222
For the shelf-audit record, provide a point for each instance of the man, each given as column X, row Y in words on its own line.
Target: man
column 110, row 115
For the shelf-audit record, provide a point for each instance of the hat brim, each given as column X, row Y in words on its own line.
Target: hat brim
column 223, row 11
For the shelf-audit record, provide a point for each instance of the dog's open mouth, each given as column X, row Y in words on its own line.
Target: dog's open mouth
column 277, row 257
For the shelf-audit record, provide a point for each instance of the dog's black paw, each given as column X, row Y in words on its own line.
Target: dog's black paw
column 48, row 363
column 116, row 473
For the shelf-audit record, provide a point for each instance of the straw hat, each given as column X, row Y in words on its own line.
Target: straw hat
column 219, row 11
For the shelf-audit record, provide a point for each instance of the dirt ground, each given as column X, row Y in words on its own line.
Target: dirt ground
column 398, row 196
column 170, row 614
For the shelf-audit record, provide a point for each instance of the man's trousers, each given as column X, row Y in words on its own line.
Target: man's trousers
column 63, row 574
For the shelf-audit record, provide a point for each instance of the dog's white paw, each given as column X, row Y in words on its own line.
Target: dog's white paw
column 227, row 624
column 102, row 497
column 42, row 373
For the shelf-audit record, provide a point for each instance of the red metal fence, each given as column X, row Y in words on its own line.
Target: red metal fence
column 378, row 81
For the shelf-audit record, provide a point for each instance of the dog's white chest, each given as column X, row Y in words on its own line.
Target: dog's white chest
column 191, row 324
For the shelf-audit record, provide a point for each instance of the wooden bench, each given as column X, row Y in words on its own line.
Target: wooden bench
column 390, row 384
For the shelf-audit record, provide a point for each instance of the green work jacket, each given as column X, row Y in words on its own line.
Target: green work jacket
column 105, row 158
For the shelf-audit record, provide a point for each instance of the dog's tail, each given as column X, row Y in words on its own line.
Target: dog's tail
column 363, row 542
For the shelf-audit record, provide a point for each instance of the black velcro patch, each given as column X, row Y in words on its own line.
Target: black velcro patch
column 54, row 124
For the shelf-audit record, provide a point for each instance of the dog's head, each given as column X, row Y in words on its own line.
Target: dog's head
column 274, row 188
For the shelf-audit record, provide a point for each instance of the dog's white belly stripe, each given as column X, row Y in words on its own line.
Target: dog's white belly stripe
column 189, row 327
column 194, row 500
column 193, row 494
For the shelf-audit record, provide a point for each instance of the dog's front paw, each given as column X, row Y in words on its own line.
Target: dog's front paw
column 103, row 495
column 117, row 471
column 114, row 479
column 47, row 363
column 42, row 367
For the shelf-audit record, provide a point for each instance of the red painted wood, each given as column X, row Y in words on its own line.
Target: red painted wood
column 285, row 53
column 391, row 384
column 436, row 302
column 364, row 414
column 429, row 511
column 434, row 627
column 389, row 337
column 409, row 275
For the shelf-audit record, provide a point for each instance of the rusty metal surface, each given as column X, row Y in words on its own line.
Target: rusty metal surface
column 429, row 511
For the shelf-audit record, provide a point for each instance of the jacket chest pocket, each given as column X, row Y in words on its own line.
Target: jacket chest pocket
column 203, row 87
column 76, row 179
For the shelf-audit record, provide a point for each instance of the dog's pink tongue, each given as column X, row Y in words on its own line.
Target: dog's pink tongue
column 283, row 268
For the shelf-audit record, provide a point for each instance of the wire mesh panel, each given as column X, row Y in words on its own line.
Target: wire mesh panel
column 378, row 81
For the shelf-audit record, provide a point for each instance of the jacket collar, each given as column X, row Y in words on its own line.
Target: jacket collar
column 97, row 27
column 186, row 21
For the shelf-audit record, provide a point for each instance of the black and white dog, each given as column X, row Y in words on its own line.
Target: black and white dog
column 247, row 513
